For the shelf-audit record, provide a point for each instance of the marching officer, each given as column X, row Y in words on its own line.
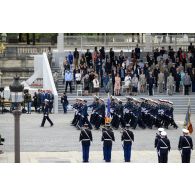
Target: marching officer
column 84, row 116
column 107, row 138
column 101, row 114
column 127, row 138
column 86, row 139
column 163, row 147
column 186, row 145
column 46, row 113
column 157, row 138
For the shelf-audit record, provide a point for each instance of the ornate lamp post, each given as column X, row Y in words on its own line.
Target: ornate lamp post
column 16, row 90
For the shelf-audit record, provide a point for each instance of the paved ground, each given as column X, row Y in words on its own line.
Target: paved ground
column 60, row 142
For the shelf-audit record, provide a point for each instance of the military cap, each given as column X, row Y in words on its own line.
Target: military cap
column 127, row 125
column 161, row 129
column 185, row 131
column 163, row 133
column 85, row 124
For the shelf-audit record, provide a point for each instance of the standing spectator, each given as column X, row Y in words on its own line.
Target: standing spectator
column 88, row 57
column 187, row 83
column 166, row 74
column 70, row 58
column 121, row 57
column 76, row 58
column 142, row 80
column 55, row 77
column 64, row 102
column 150, row 84
column 191, row 47
column 96, row 86
column 170, row 84
column 49, row 55
column 91, row 78
column 117, row 85
column 102, row 53
column 122, row 72
column 111, row 56
column 137, row 52
column 98, row 64
column 177, row 79
column 29, row 102
column 182, row 74
column 193, row 79
column 161, row 81
column 108, row 66
column 113, row 81
column 86, row 84
column 78, row 77
column 156, row 72
column 68, row 79
column 35, row 101
column 106, row 82
column 82, row 62
column 134, row 83
column 95, row 52
column 128, row 83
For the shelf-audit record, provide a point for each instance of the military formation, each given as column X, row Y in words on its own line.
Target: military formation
column 145, row 113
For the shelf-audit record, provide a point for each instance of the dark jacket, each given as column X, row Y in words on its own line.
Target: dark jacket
column 85, row 137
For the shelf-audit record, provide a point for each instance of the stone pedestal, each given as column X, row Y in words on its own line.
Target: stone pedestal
column 148, row 43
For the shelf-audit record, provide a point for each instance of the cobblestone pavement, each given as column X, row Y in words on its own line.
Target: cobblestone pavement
column 60, row 142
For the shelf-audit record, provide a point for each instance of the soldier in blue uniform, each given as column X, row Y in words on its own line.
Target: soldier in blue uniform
column 84, row 116
column 185, row 145
column 101, row 114
column 75, row 106
column 127, row 138
column 163, row 147
column 46, row 113
column 107, row 138
column 128, row 109
column 94, row 106
column 86, row 139
column 157, row 138
column 119, row 114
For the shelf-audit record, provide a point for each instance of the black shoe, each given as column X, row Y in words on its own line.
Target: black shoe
column 41, row 126
column 52, row 125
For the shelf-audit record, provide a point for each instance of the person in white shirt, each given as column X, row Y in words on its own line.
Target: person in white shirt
column 78, row 77
column 128, row 83
column 96, row 86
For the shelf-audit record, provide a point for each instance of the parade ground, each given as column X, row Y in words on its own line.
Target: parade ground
column 60, row 143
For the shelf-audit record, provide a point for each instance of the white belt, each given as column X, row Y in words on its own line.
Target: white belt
column 85, row 139
column 164, row 147
column 186, row 147
column 108, row 139
column 127, row 140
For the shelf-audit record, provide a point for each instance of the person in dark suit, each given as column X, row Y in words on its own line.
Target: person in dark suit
column 150, row 84
column 185, row 145
column 137, row 52
column 127, row 138
column 46, row 114
column 85, row 139
column 163, row 147
column 107, row 139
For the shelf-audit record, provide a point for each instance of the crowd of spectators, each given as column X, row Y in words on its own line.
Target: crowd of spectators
column 168, row 71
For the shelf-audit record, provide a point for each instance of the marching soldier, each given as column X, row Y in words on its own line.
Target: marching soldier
column 86, row 139
column 46, row 114
column 107, row 138
column 94, row 106
column 127, row 138
column 84, row 116
column 157, row 138
column 119, row 114
column 101, row 114
column 163, row 147
column 185, row 145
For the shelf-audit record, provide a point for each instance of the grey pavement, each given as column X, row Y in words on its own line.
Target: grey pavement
column 60, row 142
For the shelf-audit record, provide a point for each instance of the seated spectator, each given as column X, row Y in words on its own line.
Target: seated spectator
column 128, row 83
column 78, row 77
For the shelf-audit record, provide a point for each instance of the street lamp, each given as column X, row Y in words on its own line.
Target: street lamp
column 16, row 90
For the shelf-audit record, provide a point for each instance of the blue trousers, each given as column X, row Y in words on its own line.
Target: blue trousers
column 85, row 149
column 107, row 152
column 65, row 107
column 127, row 151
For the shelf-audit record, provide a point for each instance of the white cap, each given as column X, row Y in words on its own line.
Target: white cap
column 46, row 100
column 163, row 133
column 185, row 130
column 161, row 129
